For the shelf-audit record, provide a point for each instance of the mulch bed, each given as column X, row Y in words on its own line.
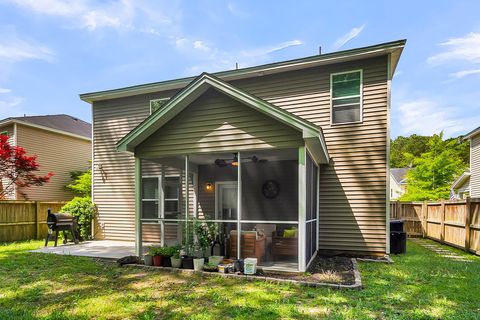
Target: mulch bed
column 324, row 269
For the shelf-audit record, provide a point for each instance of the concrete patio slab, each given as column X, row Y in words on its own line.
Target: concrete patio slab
column 106, row 249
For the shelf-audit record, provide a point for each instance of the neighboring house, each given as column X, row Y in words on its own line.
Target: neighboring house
column 62, row 144
column 474, row 172
column 294, row 154
column 461, row 186
column 398, row 182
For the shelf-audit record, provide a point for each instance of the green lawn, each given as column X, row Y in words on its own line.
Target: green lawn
column 419, row 285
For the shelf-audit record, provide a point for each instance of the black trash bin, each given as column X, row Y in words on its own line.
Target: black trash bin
column 398, row 237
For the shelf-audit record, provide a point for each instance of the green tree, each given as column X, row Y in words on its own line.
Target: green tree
column 401, row 146
column 81, row 183
column 434, row 170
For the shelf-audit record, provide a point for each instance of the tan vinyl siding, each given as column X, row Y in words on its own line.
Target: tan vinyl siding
column 56, row 153
column 5, row 183
column 352, row 187
column 215, row 122
column 475, row 166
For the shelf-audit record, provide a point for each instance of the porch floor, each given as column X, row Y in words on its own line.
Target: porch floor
column 106, row 249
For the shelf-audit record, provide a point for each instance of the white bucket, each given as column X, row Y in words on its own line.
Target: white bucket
column 250, row 266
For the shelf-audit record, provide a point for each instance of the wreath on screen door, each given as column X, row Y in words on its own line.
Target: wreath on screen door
column 270, row 189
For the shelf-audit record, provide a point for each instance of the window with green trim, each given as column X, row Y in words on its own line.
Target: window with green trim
column 157, row 104
column 346, row 91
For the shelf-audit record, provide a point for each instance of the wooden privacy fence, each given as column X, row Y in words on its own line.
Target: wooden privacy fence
column 25, row 220
column 456, row 223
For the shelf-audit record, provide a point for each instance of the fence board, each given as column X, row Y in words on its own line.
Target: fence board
column 25, row 220
column 456, row 223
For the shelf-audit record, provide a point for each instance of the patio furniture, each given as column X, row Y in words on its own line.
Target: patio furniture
column 282, row 246
column 253, row 245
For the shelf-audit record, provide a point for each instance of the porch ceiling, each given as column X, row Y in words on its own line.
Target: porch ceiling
column 311, row 133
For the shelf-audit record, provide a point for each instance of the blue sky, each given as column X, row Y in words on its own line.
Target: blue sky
column 52, row 50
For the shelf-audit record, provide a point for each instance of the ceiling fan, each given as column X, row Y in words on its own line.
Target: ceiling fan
column 234, row 160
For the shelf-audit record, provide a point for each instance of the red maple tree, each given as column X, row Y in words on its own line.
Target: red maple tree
column 18, row 169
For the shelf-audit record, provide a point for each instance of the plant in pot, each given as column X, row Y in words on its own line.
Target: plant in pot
column 175, row 259
column 206, row 234
column 166, row 253
column 156, row 253
column 148, row 258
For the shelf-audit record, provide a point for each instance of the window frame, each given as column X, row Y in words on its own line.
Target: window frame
column 179, row 197
column 160, row 99
column 360, row 96
column 160, row 197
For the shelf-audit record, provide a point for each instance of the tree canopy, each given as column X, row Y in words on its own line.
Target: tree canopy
column 434, row 169
column 17, row 169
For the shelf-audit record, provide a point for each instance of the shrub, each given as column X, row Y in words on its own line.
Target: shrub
column 84, row 210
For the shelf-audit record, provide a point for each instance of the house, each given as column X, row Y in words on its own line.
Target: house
column 461, row 186
column 468, row 184
column 398, row 182
column 287, row 159
column 62, row 144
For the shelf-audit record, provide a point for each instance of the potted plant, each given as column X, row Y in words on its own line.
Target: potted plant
column 216, row 260
column 148, row 259
column 175, row 259
column 206, row 234
column 210, row 267
column 187, row 260
column 157, row 257
column 166, row 254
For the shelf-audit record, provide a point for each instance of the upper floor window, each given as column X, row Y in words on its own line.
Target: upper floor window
column 346, row 93
column 157, row 104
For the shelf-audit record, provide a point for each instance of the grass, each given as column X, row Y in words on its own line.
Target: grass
column 419, row 285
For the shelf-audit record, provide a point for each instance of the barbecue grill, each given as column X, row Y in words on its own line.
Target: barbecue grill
column 57, row 222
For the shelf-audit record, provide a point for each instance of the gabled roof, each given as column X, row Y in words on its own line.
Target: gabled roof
column 60, row 123
column 311, row 133
column 464, row 177
column 399, row 174
column 471, row 134
column 394, row 48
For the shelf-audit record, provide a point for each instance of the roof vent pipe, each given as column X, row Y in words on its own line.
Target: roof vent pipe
column 319, row 50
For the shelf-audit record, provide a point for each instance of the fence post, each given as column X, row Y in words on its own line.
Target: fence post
column 37, row 219
column 468, row 214
column 424, row 219
column 442, row 221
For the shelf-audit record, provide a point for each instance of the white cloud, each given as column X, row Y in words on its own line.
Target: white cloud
column 464, row 73
column 426, row 117
column 355, row 32
column 14, row 49
column 120, row 15
column 211, row 59
column 5, row 90
column 465, row 49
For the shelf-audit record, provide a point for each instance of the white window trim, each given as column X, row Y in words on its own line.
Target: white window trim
column 347, row 104
column 217, row 184
column 160, row 197
column 161, row 99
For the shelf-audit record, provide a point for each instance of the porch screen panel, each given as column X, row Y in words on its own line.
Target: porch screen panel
column 311, row 209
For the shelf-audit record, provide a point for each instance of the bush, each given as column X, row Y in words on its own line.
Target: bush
column 84, row 210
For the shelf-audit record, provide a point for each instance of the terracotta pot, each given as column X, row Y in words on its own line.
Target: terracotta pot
column 157, row 261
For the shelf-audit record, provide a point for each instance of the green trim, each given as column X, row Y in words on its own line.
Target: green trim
column 294, row 64
column 138, row 207
column 195, row 89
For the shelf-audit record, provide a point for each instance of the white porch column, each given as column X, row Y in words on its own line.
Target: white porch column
column 187, row 200
column 302, row 201
column 138, row 206
column 239, row 204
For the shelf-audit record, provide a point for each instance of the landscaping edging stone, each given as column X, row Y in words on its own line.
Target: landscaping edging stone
column 357, row 285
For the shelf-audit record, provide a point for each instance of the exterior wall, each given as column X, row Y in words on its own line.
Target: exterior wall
column 4, row 182
column 475, row 166
column 352, row 210
column 214, row 123
column 396, row 190
column 463, row 191
column 56, row 153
